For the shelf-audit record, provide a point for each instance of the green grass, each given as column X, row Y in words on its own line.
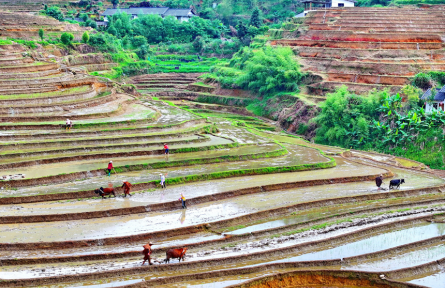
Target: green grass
column 203, row 85
column 5, row 42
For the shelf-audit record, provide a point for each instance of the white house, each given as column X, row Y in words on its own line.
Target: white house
column 311, row 5
column 438, row 102
column 180, row 14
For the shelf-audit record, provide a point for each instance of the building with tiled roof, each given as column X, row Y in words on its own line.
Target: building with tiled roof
column 180, row 14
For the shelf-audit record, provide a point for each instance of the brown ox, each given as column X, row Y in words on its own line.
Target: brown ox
column 105, row 191
column 175, row 253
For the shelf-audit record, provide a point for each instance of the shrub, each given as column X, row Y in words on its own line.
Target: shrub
column 422, row 81
column 85, row 37
column 345, row 118
column 139, row 41
column 266, row 70
column 142, row 52
column 66, row 38
column 54, row 12
column 198, row 44
column 255, row 18
column 41, row 34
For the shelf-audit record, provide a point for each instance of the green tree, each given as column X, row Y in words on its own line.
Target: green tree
column 142, row 52
column 198, row 44
column 345, row 118
column 253, row 31
column 91, row 23
column 255, row 19
column 55, row 12
column 266, row 71
column 85, row 37
column 242, row 30
column 66, row 38
column 84, row 17
column 139, row 41
column 423, row 81
column 114, row 2
column 112, row 30
column 41, row 33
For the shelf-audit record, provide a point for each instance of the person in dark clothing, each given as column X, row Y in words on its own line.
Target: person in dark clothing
column 182, row 199
column 379, row 181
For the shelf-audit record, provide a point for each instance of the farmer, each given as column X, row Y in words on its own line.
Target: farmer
column 182, row 199
column 147, row 252
column 162, row 180
column 166, row 150
column 127, row 187
column 379, row 181
column 68, row 124
column 110, row 167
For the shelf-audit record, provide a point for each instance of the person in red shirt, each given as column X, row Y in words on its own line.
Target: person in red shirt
column 110, row 167
column 166, row 150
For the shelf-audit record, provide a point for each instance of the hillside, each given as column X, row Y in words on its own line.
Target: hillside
column 155, row 155
column 367, row 48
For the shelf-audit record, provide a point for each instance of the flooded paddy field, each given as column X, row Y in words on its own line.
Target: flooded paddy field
column 259, row 202
column 436, row 280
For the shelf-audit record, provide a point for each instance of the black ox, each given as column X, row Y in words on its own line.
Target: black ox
column 395, row 183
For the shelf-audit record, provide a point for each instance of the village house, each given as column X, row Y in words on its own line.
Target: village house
column 437, row 102
column 311, row 5
column 181, row 14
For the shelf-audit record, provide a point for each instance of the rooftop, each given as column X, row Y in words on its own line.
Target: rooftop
column 162, row 11
column 440, row 94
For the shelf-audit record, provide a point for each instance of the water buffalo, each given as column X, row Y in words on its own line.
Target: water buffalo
column 395, row 183
column 175, row 253
column 104, row 192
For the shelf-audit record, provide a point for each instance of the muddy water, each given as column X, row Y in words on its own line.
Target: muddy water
column 177, row 241
column 53, row 151
column 239, row 134
column 302, row 215
column 85, row 267
column 376, row 243
column 149, row 222
column 297, row 155
column 194, row 190
column 412, row 177
column 87, row 165
column 420, row 255
column 170, row 114
column 436, row 280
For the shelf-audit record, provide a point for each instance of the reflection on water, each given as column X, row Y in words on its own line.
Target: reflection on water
column 398, row 261
column 373, row 244
column 434, row 281
column 267, row 225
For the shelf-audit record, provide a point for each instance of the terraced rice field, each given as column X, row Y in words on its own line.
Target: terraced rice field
column 366, row 48
column 264, row 208
column 18, row 19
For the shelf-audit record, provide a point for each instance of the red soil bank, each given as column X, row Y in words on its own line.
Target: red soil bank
column 323, row 278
